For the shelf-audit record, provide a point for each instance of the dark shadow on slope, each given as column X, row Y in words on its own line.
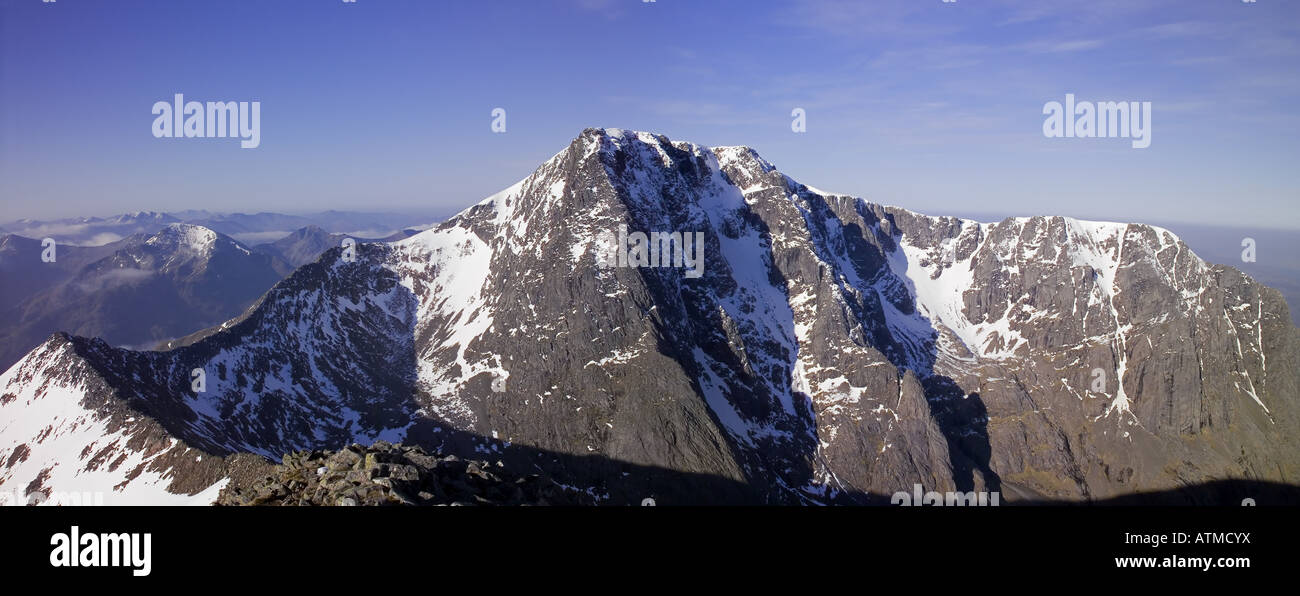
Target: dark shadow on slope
column 616, row 483
column 611, row 481
column 1215, row 493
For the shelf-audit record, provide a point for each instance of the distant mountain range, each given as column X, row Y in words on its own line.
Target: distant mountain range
column 305, row 245
column 250, row 229
column 830, row 350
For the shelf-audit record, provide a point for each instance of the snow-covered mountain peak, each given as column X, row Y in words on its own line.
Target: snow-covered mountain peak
column 185, row 236
column 179, row 242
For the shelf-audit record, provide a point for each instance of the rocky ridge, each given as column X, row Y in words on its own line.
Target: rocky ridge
column 387, row 474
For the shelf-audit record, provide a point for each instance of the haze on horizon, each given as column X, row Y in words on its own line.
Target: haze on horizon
column 373, row 106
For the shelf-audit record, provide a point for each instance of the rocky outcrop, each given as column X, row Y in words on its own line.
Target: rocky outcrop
column 387, row 474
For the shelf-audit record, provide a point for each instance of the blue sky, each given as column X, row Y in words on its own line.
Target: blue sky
column 385, row 104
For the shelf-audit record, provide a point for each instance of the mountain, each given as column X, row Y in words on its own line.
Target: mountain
column 824, row 349
column 306, row 245
column 136, row 291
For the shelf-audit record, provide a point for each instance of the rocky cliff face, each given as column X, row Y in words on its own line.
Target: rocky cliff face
column 826, row 349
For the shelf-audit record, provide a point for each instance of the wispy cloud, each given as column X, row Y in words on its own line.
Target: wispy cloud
column 890, row 18
column 607, row 8
column 1052, row 46
column 112, row 278
column 1174, row 30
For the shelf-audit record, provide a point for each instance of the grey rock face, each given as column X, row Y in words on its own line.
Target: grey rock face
column 830, row 349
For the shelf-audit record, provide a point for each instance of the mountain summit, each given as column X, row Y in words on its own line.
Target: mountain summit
column 832, row 350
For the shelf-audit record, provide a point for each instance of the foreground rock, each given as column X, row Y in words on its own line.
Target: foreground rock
column 386, row 474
